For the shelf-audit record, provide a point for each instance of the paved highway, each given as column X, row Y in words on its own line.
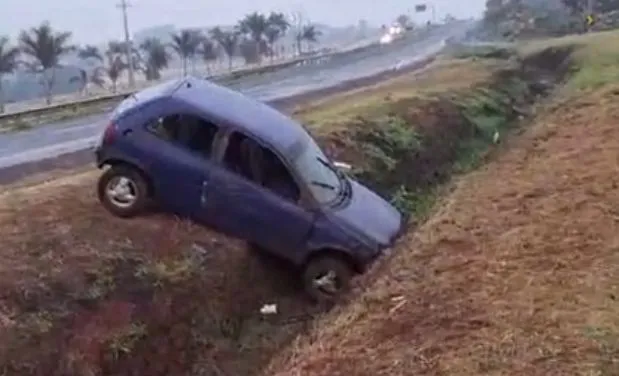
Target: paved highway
column 53, row 140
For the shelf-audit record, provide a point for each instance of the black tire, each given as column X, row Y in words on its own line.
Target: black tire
column 341, row 272
column 139, row 187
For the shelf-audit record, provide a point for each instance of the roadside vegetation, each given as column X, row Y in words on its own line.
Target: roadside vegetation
column 517, row 20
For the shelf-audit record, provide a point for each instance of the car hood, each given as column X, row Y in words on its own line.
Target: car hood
column 370, row 215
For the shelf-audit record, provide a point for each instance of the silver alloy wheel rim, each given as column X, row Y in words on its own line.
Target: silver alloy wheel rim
column 121, row 191
column 327, row 283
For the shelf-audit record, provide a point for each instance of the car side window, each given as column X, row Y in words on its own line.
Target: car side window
column 188, row 131
column 246, row 157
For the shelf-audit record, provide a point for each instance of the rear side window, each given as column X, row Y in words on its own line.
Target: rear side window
column 188, row 131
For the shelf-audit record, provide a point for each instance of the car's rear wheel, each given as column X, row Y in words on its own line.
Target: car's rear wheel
column 326, row 278
column 123, row 191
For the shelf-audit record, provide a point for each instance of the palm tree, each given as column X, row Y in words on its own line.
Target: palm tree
column 45, row 47
column 88, row 53
column 298, row 39
column 185, row 44
column 254, row 26
column 208, row 51
column 115, row 47
column 228, row 40
column 115, row 62
column 279, row 20
column 278, row 26
column 118, row 48
column 309, row 34
column 196, row 40
column 8, row 64
column 95, row 76
column 156, row 59
column 248, row 50
column 272, row 34
column 114, row 68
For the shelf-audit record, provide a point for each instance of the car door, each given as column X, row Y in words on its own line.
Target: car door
column 180, row 171
column 242, row 208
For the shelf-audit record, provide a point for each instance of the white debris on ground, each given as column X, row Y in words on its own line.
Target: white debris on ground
column 269, row 309
column 496, row 137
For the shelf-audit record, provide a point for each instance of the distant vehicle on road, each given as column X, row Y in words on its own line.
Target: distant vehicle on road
column 235, row 164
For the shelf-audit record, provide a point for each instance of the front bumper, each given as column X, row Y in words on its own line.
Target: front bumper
column 386, row 251
column 401, row 231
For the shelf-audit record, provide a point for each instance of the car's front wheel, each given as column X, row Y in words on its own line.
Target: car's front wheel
column 326, row 278
column 123, row 191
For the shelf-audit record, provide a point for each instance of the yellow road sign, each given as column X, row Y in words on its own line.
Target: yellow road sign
column 590, row 20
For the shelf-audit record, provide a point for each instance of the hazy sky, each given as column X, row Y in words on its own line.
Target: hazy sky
column 100, row 20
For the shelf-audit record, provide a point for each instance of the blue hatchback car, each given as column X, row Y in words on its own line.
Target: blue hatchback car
column 237, row 165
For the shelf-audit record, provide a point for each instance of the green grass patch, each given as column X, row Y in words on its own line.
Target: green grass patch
column 595, row 58
column 483, row 52
column 407, row 164
column 597, row 72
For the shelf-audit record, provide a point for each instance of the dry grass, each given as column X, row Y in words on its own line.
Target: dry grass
column 79, row 288
column 45, row 177
column 439, row 77
column 515, row 273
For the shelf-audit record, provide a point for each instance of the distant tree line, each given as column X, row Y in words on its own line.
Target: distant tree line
column 40, row 49
column 522, row 18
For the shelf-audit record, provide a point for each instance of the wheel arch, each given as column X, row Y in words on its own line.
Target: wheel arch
column 341, row 254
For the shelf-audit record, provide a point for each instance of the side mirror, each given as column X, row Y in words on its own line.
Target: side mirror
column 343, row 166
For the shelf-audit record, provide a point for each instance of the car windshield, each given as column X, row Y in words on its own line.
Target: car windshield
column 318, row 173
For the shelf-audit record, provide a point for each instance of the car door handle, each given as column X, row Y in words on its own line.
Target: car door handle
column 204, row 192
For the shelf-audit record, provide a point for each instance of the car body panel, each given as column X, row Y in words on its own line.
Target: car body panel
column 370, row 214
column 200, row 188
column 246, row 210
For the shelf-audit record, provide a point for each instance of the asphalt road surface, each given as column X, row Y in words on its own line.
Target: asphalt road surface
column 42, row 148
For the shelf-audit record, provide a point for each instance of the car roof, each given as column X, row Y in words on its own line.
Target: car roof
column 247, row 114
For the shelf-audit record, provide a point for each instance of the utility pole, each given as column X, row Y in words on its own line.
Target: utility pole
column 123, row 5
column 298, row 22
column 590, row 8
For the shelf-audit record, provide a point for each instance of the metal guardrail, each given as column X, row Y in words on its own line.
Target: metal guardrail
column 236, row 74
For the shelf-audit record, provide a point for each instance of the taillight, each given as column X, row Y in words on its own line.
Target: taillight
column 109, row 134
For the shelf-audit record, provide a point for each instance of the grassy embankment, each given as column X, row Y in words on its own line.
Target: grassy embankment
column 516, row 270
column 84, row 293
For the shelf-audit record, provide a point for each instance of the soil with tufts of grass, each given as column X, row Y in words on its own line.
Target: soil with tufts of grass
column 82, row 293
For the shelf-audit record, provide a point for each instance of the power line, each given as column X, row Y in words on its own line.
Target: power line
column 123, row 5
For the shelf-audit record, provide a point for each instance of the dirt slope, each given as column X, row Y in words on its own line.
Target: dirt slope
column 515, row 274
